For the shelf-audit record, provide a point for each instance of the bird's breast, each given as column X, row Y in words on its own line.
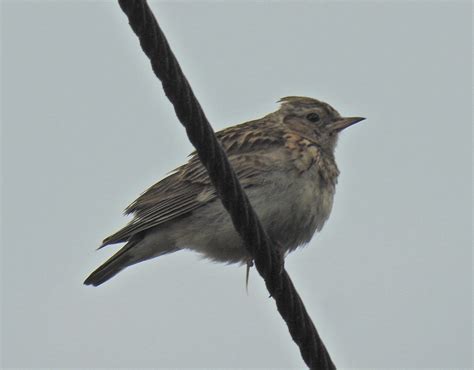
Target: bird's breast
column 307, row 155
column 315, row 200
column 294, row 206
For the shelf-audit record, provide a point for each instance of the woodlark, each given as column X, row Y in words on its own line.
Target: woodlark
column 284, row 161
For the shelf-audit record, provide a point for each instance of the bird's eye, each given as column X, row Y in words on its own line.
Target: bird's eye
column 313, row 117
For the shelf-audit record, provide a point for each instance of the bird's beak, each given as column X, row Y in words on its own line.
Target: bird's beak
column 344, row 122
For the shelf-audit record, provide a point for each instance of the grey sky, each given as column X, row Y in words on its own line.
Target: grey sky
column 86, row 128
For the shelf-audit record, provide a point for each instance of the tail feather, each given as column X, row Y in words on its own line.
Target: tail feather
column 112, row 266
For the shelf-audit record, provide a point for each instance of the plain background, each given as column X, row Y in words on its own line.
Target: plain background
column 86, row 128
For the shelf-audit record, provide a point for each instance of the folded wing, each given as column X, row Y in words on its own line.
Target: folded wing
column 189, row 188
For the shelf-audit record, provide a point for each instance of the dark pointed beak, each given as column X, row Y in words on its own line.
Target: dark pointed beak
column 344, row 122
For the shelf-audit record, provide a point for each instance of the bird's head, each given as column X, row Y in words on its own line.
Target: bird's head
column 314, row 118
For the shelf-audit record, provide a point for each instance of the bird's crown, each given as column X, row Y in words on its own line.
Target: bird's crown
column 297, row 102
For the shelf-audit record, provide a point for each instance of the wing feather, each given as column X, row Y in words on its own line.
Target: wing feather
column 189, row 187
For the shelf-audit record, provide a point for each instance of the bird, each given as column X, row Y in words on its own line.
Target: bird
column 285, row 163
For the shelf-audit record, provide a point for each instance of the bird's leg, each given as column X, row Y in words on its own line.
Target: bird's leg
column 249, row 264
column 280, row 254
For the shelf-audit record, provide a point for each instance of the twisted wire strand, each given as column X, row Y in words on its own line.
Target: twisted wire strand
column 268, row 262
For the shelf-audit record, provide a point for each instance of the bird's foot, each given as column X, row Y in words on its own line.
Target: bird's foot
column 249, row 264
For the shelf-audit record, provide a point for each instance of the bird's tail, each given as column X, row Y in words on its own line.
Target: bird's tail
column 120, row 260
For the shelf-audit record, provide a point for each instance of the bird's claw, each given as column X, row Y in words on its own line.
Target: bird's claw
column 249, row 264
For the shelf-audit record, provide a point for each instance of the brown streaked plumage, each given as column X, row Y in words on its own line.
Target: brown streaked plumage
column 285, row 161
